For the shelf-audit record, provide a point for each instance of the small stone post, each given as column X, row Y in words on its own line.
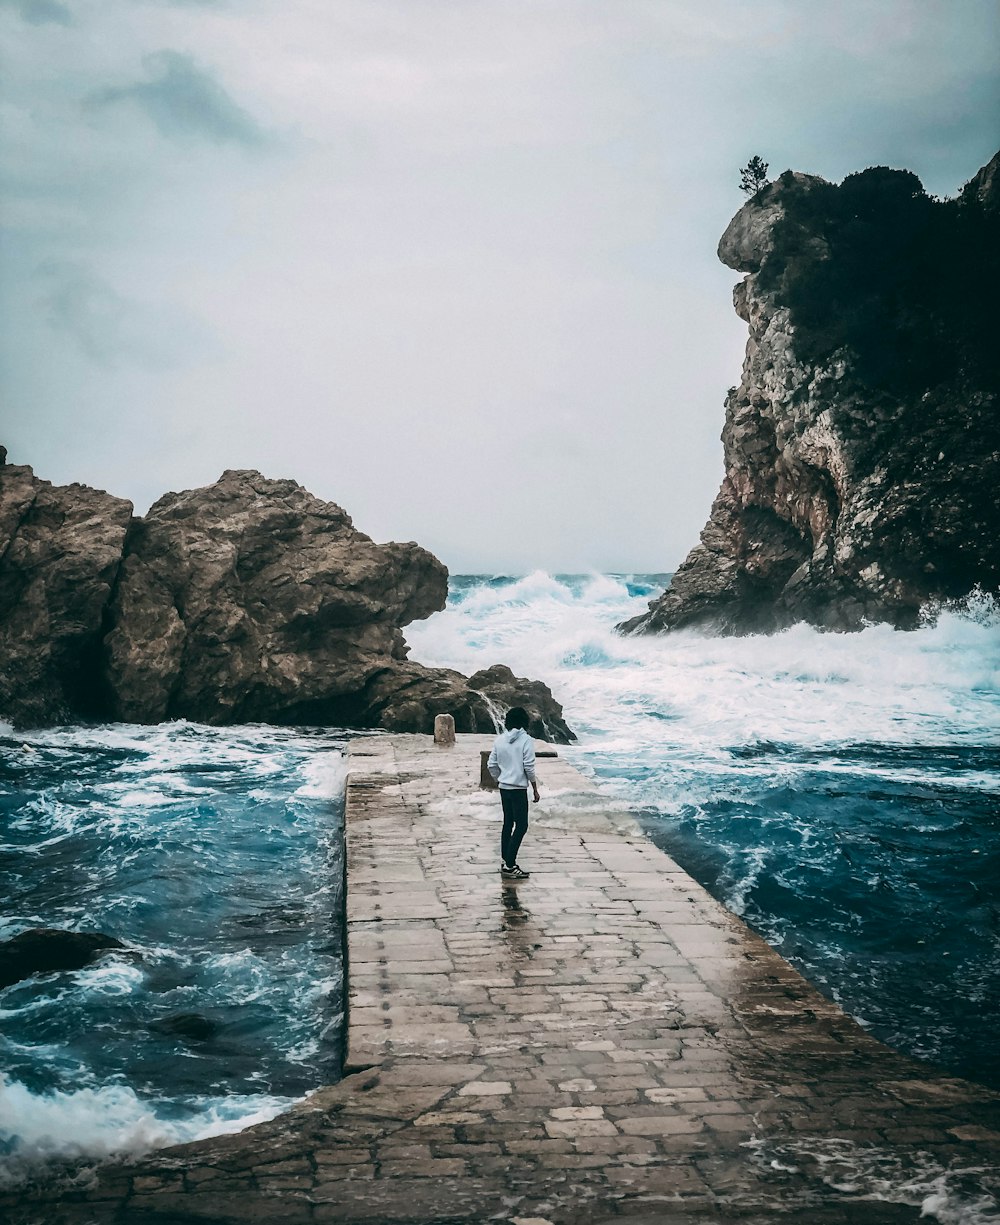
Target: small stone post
column 444, row 729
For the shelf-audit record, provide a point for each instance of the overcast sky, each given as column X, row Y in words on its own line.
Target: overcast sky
column 448, row 263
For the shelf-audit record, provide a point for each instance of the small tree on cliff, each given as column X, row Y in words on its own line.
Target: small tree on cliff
column 753, row 176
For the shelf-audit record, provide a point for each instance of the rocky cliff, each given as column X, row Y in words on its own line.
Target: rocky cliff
column 60, row 552
column 249, row 600
column 862, row 446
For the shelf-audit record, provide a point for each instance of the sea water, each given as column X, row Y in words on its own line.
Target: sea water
column 216, row 856
column 837, row 791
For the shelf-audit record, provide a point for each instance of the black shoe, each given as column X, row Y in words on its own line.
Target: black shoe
column 504, row 870
column 517, row 873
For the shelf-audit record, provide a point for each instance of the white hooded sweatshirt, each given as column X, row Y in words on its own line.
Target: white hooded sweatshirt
column 512, row 761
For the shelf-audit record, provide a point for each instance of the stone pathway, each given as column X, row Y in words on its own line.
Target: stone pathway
column 602, row 1042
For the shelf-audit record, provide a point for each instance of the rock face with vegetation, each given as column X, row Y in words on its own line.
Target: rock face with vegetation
column 249, row 600
column 862, row 446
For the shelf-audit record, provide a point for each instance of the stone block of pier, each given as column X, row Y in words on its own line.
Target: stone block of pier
column 601, row 1042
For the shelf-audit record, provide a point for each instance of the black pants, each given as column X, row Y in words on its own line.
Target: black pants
column 515, row 822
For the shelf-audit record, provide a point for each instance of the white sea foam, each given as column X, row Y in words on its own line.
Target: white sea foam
column 110, row 1120
column 936, row 685
column 752, row 866
column 144, row 799
column 954, row 1196
column 110, row 976
column 163, row 749
column 326, row 777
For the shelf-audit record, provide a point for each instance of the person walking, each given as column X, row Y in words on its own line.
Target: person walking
column 512, row 764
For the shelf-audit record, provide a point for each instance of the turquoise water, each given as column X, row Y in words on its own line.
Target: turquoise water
column 215, row 855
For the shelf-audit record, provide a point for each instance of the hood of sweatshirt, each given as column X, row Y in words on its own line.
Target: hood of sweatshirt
column 513, row 733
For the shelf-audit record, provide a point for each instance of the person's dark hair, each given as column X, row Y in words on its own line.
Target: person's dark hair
column 517, row 716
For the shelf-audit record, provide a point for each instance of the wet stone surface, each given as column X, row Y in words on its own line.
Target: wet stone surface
column 601, row 1042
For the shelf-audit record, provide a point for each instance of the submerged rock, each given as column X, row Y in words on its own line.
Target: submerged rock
column 191, row 1026
column 45, row 950
column 862, row 446
column 60, row 550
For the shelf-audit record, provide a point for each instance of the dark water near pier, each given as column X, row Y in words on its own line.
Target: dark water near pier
column 215, row 855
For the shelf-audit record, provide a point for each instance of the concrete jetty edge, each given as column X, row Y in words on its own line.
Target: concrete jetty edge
column 601, row 1042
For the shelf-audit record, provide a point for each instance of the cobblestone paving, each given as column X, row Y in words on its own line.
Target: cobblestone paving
column 602, row 1042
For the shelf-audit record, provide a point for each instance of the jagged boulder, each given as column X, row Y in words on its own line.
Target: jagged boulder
column 505, row 690
column 862, row 446
column 407, row 696
column 60, row 550
column 45, row 950
column 252, row 600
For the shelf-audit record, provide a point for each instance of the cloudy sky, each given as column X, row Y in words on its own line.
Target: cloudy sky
column 449, row 263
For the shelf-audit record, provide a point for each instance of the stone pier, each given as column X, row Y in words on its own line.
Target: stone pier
column 602, row 1042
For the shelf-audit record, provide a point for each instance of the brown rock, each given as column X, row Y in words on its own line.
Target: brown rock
column 60, row 550
column 862, row 446
column 249, row 600
column 252, row 600
column 504, row 690
column 408, row 696
column 984, row 186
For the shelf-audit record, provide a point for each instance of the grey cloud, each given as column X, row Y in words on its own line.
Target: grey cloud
column 482, row 212
column 183, row 100
column 40, row 12
column 110, row 328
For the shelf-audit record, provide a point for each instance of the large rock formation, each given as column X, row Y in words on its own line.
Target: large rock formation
column 862, row 446
column 247, row 601
column 252, row 600
column 60, row 550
